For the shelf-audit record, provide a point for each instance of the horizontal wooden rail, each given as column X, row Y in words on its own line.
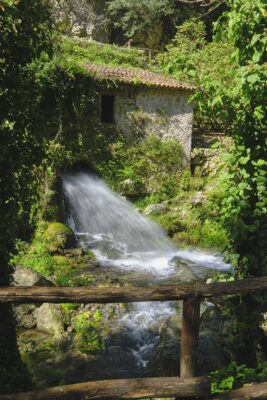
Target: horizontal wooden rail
column 37, row 294
column 250, row 391
column 120, row 389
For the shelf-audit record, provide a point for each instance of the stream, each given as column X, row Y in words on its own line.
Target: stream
column 123, row 240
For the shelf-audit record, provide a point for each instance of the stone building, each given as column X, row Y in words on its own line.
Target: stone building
column 139, row 102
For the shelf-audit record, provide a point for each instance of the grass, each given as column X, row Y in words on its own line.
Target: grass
column 82, row 51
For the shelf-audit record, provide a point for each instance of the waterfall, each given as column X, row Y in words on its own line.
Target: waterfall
column 123, row 238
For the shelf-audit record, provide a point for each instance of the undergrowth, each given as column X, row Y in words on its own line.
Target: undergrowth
column 234, row 376
column 88, row 337
column 84, row 51
column 62, row 267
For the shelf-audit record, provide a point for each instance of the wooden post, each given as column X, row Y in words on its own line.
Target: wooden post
column 150, row 55
column 189, row 337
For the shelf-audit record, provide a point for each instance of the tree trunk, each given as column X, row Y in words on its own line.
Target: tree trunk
column 13, row 374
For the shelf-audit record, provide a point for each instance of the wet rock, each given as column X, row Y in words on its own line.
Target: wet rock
column 155, row 209
column 49, row 318
column 27, row 277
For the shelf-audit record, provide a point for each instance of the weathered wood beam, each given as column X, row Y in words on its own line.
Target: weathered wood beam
column 37, row 294
column 120, row 389
column 189, row 337
column 247, row 392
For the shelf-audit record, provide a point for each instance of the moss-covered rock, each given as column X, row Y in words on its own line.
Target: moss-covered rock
column 59, row 236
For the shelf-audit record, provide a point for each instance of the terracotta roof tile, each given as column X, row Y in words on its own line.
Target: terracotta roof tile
column 144, row 77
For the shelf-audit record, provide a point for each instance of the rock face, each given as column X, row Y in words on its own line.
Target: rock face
column 28, row 277
column 155, row 209
column 49, row 318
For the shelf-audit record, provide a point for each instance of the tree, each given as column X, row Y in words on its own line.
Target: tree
column 230, row 75
column 25, row 35
column 146, row 19
column 245, row 206
column 208, row 65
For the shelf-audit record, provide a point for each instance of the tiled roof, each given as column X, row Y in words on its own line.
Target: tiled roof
column 136, row 76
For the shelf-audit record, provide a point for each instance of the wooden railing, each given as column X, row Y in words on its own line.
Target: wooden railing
column 185, row 386
column 148, row 52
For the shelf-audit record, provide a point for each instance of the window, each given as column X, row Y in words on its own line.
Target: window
column 107, row 108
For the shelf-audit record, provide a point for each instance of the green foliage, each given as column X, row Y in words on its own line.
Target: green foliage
column 230, row 76
column 245, row 206
column 82, row 51
column 146, row 166
column 170, row 223
column 135, row 17
column 208, row 65
column 201, row 224
column 88, row 332
column 25, row 34
column 45, row 256
column 140, row 20
column 208, row 234
column 234, row 376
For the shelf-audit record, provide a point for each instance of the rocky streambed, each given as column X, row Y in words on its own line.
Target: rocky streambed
column 52, row 338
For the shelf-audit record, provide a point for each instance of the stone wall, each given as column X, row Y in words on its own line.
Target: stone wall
column 140, row 111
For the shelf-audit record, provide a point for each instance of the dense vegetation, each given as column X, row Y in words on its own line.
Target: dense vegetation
column 44, row 123
column 25, row 34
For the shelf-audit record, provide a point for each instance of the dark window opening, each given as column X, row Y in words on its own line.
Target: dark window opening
column 107, row 108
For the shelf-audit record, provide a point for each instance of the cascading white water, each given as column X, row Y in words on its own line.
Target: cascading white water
column 121, row 237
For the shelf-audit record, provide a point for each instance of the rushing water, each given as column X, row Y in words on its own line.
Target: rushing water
column 121, row 237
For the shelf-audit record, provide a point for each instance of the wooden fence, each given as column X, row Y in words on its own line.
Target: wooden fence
column 185, row 386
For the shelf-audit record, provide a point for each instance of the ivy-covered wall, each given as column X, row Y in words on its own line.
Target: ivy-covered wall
column 160, row 112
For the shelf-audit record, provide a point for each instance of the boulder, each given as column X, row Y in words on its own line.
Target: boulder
column 59, row 237
column 24, row 314
column 155, row 209
column 167, row 354
column 49, row 318
column 199, row 198
column 28, row 277
column 212, row 348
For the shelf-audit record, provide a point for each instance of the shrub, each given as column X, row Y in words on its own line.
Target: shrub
column 48, row 259
column 234, row 376
column 88, row 337
column 150, row 165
